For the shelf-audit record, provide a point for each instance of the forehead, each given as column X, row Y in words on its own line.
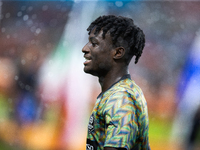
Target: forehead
column 99, row 36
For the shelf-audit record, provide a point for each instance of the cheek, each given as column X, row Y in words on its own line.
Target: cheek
column 104, row 66
column 105, row 63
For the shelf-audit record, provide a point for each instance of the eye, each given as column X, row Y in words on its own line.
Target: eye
column 94, row 44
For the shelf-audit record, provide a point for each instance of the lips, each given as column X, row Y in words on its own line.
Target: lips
column 87, row 60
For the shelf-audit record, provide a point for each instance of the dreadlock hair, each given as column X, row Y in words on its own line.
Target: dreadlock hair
column 123, row 33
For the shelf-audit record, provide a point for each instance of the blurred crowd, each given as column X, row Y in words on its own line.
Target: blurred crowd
column 29, row 33
column 45, row 98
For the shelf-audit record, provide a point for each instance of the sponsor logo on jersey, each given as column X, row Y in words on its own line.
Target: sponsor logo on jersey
column 91, row 123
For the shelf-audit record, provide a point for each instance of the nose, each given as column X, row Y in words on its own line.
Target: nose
column 85, row 49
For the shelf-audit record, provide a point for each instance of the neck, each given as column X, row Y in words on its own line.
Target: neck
column 112, row 77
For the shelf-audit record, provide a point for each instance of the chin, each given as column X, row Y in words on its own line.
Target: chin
column 90, row 72
column 87, row 70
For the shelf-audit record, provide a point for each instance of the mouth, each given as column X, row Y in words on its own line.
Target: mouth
column 87, row 60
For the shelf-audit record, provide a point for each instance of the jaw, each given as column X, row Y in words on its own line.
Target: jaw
column 98, row 73
column 97, row 69
column 86, row 70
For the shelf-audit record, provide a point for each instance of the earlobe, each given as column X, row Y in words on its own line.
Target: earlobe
column 119, row 53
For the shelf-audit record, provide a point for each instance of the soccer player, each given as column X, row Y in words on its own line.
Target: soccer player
column 119, row 119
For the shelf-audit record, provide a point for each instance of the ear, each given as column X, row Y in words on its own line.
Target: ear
column 119, row 52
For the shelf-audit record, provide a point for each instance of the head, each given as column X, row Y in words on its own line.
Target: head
column 122, row 36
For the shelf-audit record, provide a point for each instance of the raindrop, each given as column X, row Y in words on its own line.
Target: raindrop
column 38, row 30
column 110, row 4
column 23, row 8
column 8, row 36
column 19, row 14
column 119, row 3
column 198, row 33
column 30, row 23
column 45, row 7
column 3, row 30
column 7, row 15
column 23, row 62
column 21, row 85
column 25, row 17
column 77, row 1
column 30, row 8
column 16, row 77
column 172, row 19
column 34, row 16
column 32, row 41
column 182, row 26
column 27, row 87
column 33, row 28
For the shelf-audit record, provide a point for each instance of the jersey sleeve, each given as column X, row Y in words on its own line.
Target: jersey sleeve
column 121, row 120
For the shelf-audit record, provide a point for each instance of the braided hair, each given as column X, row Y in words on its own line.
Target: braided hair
column 123, row 33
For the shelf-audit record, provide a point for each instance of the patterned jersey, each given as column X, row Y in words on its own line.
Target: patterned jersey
column 119, row 118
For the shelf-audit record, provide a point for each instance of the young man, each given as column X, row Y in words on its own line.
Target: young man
column 119, row 119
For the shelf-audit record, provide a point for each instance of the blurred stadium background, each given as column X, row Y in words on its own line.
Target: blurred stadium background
column 46, row 98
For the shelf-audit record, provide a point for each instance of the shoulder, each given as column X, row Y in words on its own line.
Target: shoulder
column 126, row 87
column 129, row 86
column 127, row 92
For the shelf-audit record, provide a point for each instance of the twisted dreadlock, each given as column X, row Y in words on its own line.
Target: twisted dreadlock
column 123, row 33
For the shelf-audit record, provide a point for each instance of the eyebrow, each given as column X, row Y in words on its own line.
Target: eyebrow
column 92, row 38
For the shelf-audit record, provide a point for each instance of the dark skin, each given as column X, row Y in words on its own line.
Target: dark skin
column 104, row 61
column 118, row 70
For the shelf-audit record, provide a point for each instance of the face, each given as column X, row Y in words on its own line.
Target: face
column 98, row 54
